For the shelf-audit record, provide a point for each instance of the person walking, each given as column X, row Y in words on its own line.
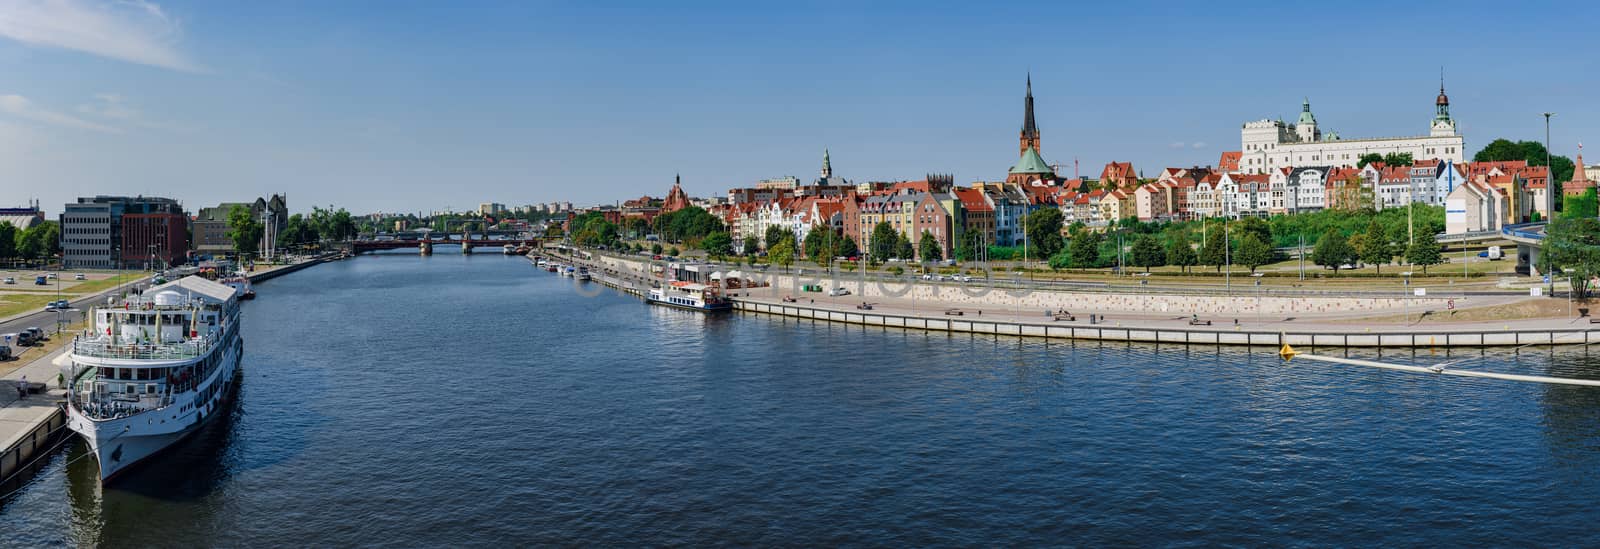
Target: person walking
column 22, row 388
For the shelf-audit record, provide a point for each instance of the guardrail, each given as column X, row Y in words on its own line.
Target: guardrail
column 1308, row 340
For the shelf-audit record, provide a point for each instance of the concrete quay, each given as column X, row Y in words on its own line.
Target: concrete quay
column 1236, row 320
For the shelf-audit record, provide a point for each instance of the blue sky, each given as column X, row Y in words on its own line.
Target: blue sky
column 413, row 106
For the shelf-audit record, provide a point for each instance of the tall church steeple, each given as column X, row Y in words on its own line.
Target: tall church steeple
column 1443, row 125
column 827, row 165
column 1030, row 131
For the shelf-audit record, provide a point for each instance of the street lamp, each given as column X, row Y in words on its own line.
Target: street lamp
column 1549, row 194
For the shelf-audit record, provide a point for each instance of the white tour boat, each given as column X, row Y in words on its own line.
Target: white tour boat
column 241, row 283
column 153, row 370
column 689, row 295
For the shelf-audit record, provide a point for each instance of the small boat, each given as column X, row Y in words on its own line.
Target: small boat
column 690, row 296
column 508, row 249
column 550, row 267
column 241, row 284
column 583, row 274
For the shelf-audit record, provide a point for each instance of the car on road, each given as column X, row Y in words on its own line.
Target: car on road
column 50, row 307
column 5, row 352
column 79, row 276
column 39, row 280
column 51, row 276
column 11, row 280
column 36, row 333
column 838, row 292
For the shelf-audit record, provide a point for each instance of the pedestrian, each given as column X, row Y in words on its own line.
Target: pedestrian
column 22, row 387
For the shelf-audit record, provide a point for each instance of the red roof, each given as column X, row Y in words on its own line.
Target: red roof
column 972, row 199
column 1229, row 161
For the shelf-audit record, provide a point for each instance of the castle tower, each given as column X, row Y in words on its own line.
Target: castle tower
column 1306, row 127
column 827, row 165
column 1030, row 131
column 1443, row 125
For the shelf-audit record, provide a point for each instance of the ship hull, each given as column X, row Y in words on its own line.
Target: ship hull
column 119, row 445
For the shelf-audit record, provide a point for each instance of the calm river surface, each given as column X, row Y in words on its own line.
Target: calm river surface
column 451, row 401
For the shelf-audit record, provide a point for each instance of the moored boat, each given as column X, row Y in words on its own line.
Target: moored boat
column 689, row 295
column 153, row 370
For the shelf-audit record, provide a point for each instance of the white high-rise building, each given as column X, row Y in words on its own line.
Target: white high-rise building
column 1270, row 144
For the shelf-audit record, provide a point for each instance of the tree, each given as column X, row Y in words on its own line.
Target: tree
column 1375, row 248
column 1085, row 249
column 8, row 240
column 655, row 248
column 1180, row 254
column 1043, row 230
column 928, row 247
column 1253, row 226
column 774, row 235
column 674, row 252
column 818, row 244
column 1574, row 244
column 971, row 243
column 1215, row 250
column 885, row 241
column 1398, row 159
column 245, row 230
column 781, row 253
column 1425, row 251
column 1147, row 252
column 717, row 244
column 1368, row 159
column 846, row 247
column 1333, row 250
column 1252, row 252
column 905, row 250
column 751, row 245
column 1584, row 205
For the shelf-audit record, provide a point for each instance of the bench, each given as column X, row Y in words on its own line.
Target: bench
column 1199, row 323
column 787, row 299
column 1067, row 318
column 1593, row 320
column 864, row 306
column 954, row 312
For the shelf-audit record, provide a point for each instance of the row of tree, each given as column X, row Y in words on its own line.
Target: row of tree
column 40, row 241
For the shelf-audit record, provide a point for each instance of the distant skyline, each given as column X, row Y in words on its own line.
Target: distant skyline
column 416, row 106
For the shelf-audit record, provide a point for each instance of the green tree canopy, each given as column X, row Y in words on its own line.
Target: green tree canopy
column 1574, row 244
column 245, row 230
column 774, row 235
column 969, row 245
column 905, row 250
column 8, row 240
column 1253, row 252
column 1085, row 249
column 1584, row 205
column 1181, row 255
column 1147, row 252
column 1215, row 250
column 1368, row 159
column 885, row 241
column 847, row 247
column 928, row 247
column 781, row 253
column 1333, row 250
column 1375, row 248
column 751, row 245
column 717, row 244
column 1043, row 230
column 1425, row 251
column 1398, row 159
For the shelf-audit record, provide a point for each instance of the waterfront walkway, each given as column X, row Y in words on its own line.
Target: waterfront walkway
column 1236, row 321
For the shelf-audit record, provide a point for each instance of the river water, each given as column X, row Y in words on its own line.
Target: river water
column 476, row 401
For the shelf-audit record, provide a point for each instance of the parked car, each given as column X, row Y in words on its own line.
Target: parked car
column 24, row 339
column 79, row 276
column 11, row 280
column 38, row 334
column 5, row 352
column 839, row 292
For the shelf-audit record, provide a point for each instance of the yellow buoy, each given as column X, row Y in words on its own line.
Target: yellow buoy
column 1287, row 352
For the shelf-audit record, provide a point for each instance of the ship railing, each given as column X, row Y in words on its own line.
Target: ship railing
column 112, row 406
column 104, row 347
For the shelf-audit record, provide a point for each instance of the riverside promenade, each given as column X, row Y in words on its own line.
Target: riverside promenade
column 32, row 427
column 1310, row 321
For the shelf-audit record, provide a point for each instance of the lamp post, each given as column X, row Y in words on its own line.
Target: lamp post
column 1549, row 193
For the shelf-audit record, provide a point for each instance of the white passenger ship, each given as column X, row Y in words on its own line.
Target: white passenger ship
column 689, row 295
column 153, row 370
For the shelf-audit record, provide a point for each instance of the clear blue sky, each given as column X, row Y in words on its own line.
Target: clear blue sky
column 408, row 106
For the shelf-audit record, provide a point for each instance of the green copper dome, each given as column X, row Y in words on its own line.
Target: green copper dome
column 1305, row 113
column 1031, row 163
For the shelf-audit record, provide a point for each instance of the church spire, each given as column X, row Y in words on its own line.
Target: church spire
column 827, row 165
column 1030, row 130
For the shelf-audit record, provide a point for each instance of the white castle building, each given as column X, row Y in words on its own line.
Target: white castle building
column 1271, row 144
